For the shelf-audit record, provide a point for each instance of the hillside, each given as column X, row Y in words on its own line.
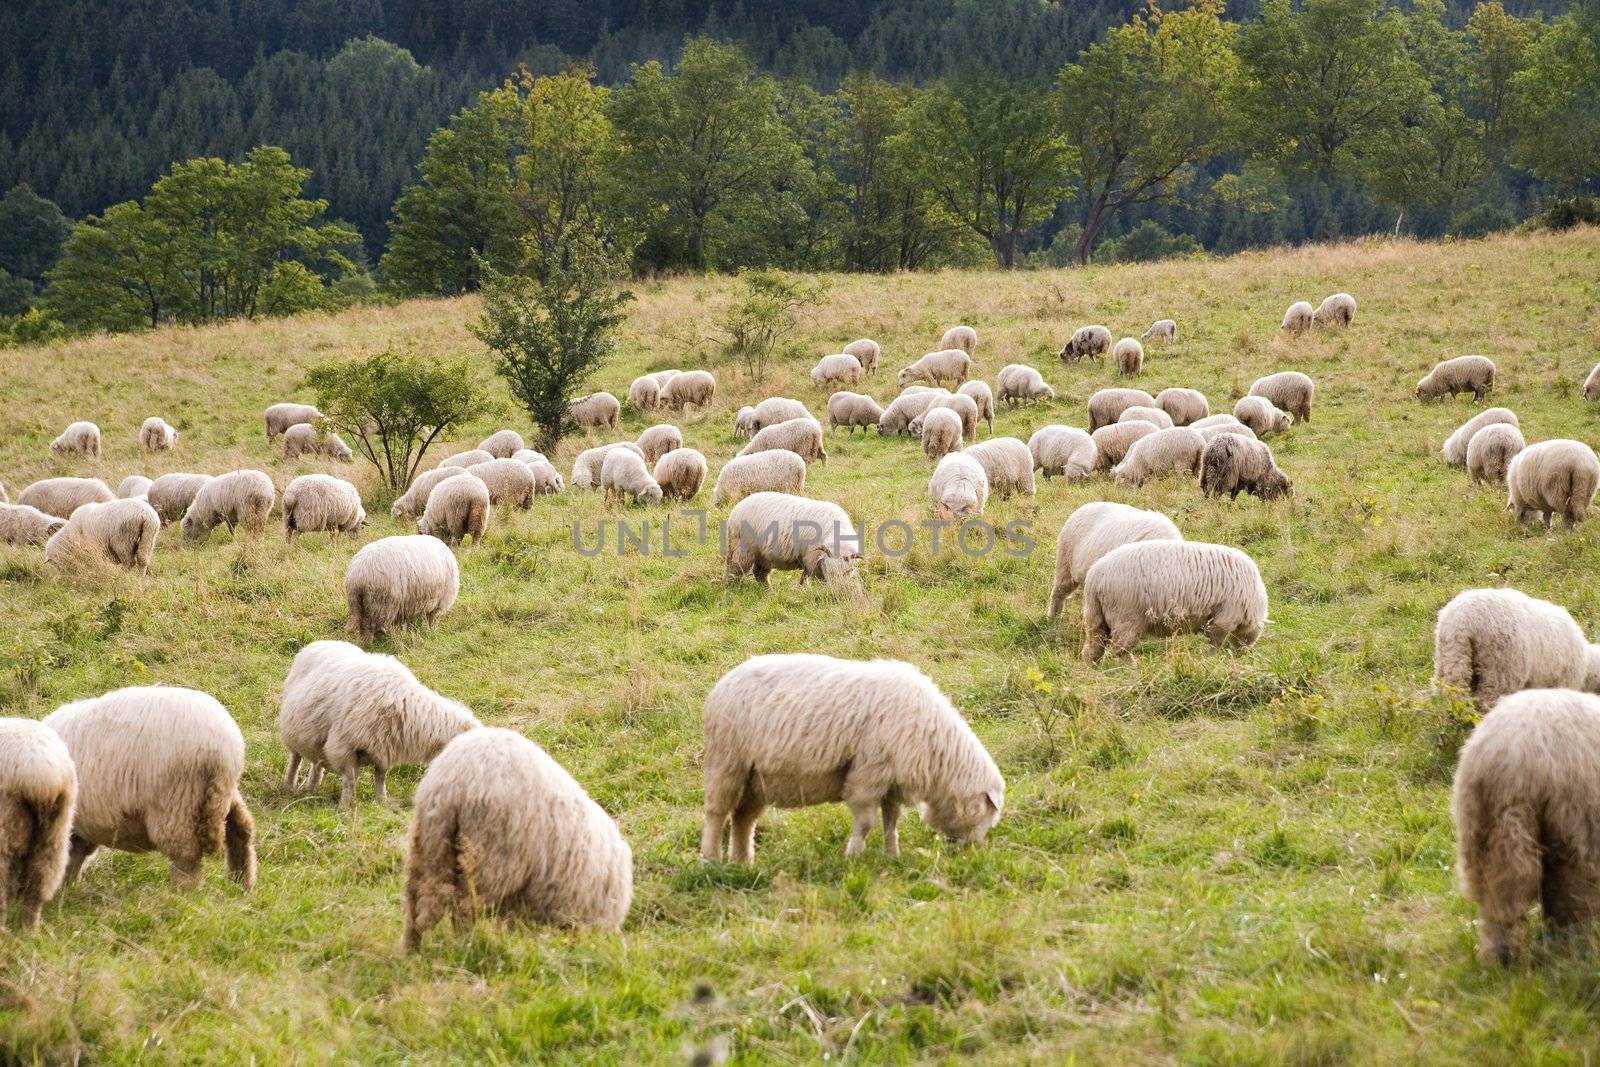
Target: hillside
column 1204, row 858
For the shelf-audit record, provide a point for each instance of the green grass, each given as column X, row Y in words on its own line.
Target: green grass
column 1204, row 858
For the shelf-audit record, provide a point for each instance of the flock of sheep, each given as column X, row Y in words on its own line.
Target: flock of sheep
column 499, row 826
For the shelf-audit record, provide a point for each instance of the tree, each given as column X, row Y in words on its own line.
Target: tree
column 32, row 231
column 1557, row 104
column 1143, row 107
column 117, row 271
column 766, row 313
column 1503, row 44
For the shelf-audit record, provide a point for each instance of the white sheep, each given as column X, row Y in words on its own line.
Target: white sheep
column 777, row 471
column 1171, row 587
column 38, row 793
column 1490, row 642
column 280, row 417
column 1112, row 442
column 981, row 396
column 744, row 422
column 778, row 532
column 1259, row 413
column 963, row 337
column 120, row 532
column 21, row 524
column 1183, row 406
column 503, row 444
column 962, row 405
column 1591, row 384
column 801, row 436
column 322, row 503
column 415, row 499
column 529, row 456
column 158, row 770
column 850, row 410
column 776, row 409
column 946, row 365
column 546, row 479
column 1235, row 464
column 1008, row 464
column 644, row 393
column 695, row 387
column 1336, row 310
column 1455, row 446
column 840, row 367
column 662, row 377
column 1463, row 374
column 134, row 485
column 797, row 730
column 1107, row 405
column 1178, row 449
column 1017, row 382
column 62, row 496
column 1211, row 433
column 457, row 508
column 1297, row 320
column 344, row 708
column 303, row 439
column 511, row 484
column 624, row 474
column 1162, row 330
column 1094, row 530
column 680, row 473
column 1086, row 342
column 1127, row 355
column 940, row 432
column 1064, row 450
column 1289, row 390
column 500, row 828
column 1550, row 478
column 1490, row 453
column 897, row 417
column 594, row 411
column 81, row 438
column 397, row 580
column 171, row 494
column 239, row 500
column 470, row 458
column 658, row 440
column 866, row 351
column 586, row 468
column 155, row 435
column 959, row 488
column 1153, row 415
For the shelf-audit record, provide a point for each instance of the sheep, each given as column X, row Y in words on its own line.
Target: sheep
column 778, row 532
column 1163, row 452
column 959, row 488
column 1211, row 433
column 81, row 438
column 21, row 524
column 695, row 387
column 1552, row 477
column 866, row 351
column 658, row 440
column 511, row 484
column 546, row 479
column 1086, row 342
column 680, row 474
column 503, row 444
column 1093, row 530
column 1463, row 374
column 1297, row 320
column 321, row 502
column 457, row 508
column 1591, row 384
column 941, row 432
column 1289, row 390
column 38, row 793
column 282, row 416
column 242, row 498
column 343, row 708
column 463, row 460
column 134, row 486
column 962, row 405
column 1183, row 406
column 1153, row 415
column 1258, row 413
column 1128, row 357
column 155, row 435
column 303, row 439
column 1233, row 464
column 396, row 580
column 1525, row 807
column 1171, row 587
column 945, row 365
column 415, row 499
column 644, row 393
column 1112, row 442
column 121, row 532
column 529, row 456
column 662, row 377
column 1107, row 405
column 62, row 496
column 851, row 410
column 171, row 494
column 1455, row 446
column 1017, row 382
column 798, row 729
column 779, row 471
column 841, row 367
column 1007, row 463
column 963, row 337
column 1064, row 450
column 744, row 422
column 896, row 418
column 158, row 770
column 801, row 436
column 586, row 468
column 624, row 474
column 1336, row 310
column 776, row 409
column 594, row 411
column 1162, row 330
column 981, row 396
column 501, row 828
column 1491, row 452
column 1491, row 642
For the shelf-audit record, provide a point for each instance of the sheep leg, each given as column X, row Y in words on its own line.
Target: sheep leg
column 865, row 816
column 711, row 835
column 78, row 852
column 347, row 786
column 314, row 776
column 378, row 788
column 1124, row 639
column 185, row 869
column 291, row 777
column 1568, row 895
column 891, row 825
column 742, row 839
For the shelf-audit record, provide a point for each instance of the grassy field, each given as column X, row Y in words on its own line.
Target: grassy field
column 1204, row 858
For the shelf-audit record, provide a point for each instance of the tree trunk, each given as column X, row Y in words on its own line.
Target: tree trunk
column 1092, row 225
column 1398, row 219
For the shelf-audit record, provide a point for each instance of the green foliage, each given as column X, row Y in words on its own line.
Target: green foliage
column 1148, row 241
column 32, row 231
column 766, row 311
column 1556, row 117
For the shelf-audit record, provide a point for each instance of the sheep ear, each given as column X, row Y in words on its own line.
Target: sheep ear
column 995, row 798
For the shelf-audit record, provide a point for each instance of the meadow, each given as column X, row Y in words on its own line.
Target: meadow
column 1204, row 858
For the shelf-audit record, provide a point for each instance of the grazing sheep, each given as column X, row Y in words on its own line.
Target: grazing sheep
column 511, row 484
column 529, row 456
column 595, row 411
column 303, row 439
column 1008, row 464
column 662, row 377
column 1064, row 450
column 658, row 440
column 1455, row 446
column 1163, row 452
column 959, row 488
column 1128, row 356
column 1591, row 384
column 841, row 367
column 1211, row 433
column 171, row 494
column 962, row 405
column 501, row 828
column 797, row 730
column 1552, row 477
column 644, row 393
column 777, row 471
column 680, row 473
column 237, row 499
column 1094, row 530
column 1337, row 310
column 1490, row 642
column 624, row 474
column 1183, row 406
column 850, row 410
column 1017, row 382
column 415, row 499
column 1153, row 415
column 1491, row 452
column 546, row 479
column 1112, row 442
column 946, row 365
column 81, row 438
column 470, row 458
column 941, row 432
column 503, row 444
column 21, row 524
column 744, row 422
column 457, row 508
column 1162, row 330
column 62, row 496
column 134, row 486
column 1086, row 342
column 1525, row 805
column 897, row 417
column 1171, row 587
column 343, row 709
column 695, row 387
column 1107, row 405
column 158, row 770
column 1233, row 464
column 397, row 580
column 801, row 436
column 155, row 435
column 777, row 532
column 866, row 351
column 1289, row 390
column 121, row 532
column 1258, row 413
column 38, row 793
column 282, row 416
column 315, row 503
column 981, row 396
column 962, row 337
column 1297, row 320
column 776, row 409
column 586, row 468
column 1464, row 374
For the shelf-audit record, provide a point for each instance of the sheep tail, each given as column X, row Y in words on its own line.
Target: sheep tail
column 239, row 835
column 433, row 873
column 45, row 864
column 357, row 622
column 1454, row 662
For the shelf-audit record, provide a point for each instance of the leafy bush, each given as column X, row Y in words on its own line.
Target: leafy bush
column 1145, row 242
column 767, row 311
